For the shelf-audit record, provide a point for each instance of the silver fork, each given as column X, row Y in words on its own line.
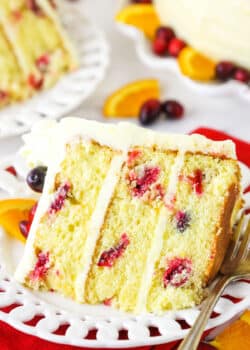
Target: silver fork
column 236, row 266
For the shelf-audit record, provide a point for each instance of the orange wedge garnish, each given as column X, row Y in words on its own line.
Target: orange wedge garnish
column 127, row 101
column 12, row 212
column 195, row 65
column 143, row 17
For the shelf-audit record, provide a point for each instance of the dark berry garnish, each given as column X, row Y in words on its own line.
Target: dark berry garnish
column 35, row 83
column 24, row 227
column 165, row 33
column 182, row 221
column 150, row 111
column 175, row 46
column 60, row 197
column 11, row 170
column 109, row 257
column 172, row 109
column 36, row 177
column 41, row 267
column 160, row 46
column 242, row 75
column 141, row 183
column 225, row 70
column 178, row 272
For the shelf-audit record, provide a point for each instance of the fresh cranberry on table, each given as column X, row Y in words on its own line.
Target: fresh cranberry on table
column 225, row 70
column 242, row 75
column 150, row 111
column 175, row 46
column 165, row 33
column 172, row 109
column 11, row 170
column 160, row 46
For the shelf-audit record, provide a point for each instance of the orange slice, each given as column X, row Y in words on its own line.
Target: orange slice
column 12, row 212
column 143, row 17
column 196, row 66
column 127, row 101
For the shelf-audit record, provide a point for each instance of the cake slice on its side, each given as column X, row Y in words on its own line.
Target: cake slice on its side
column 40, row 44
column 129, row 217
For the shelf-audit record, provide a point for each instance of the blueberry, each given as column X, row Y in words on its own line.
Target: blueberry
column 35, row 178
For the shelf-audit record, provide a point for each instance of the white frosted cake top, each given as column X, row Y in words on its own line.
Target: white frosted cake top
column 45, row 141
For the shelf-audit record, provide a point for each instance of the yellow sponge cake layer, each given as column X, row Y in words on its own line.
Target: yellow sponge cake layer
column 128, row 217
column 37, row 40
column 67, row 224
column 191, row 239
column 121, row 283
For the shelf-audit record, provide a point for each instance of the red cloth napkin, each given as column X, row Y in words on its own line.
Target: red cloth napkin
column 11, row 339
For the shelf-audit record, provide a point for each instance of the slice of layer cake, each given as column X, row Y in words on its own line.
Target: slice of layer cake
column 129, row 217
column 38, row 41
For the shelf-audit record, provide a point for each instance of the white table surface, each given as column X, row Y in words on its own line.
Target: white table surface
column 230, row 114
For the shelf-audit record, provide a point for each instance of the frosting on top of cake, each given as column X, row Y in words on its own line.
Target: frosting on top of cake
column 219, row 29
column 47, row 139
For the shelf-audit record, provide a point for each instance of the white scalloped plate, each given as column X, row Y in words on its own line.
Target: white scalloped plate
column 144, row 51
column 63, row 321
column 73, row 88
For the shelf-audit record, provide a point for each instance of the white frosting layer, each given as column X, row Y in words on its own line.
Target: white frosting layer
column 218, row 28
column 47, row 138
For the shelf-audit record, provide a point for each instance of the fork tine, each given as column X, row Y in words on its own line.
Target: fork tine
column 247, row 246
column 243, row 250
column 237, row 231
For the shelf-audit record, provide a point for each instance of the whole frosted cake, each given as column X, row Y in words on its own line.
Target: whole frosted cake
column 128, row 217
column 218, row 29
column 35, row 50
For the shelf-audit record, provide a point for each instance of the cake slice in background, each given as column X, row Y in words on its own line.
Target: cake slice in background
column 12, row 84
column 128, row 217
column 38, row 41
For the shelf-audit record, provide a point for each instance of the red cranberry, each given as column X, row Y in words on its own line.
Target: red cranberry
column 175, row 46
column 61, row 196
column 3, row 95
column 142, row 184
column 242, row 74
column 178, row 272
column 11, row 170
column 165, row 33
column 41, row 267
column 109, row 257
column 42, row 62
column 150, row 111
column 195, row 180
column 172, row 109
column 160, row 46
column 225, row 70
column 133, row 155
column 35, row 83
column 24, row 227
column 182, row 221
